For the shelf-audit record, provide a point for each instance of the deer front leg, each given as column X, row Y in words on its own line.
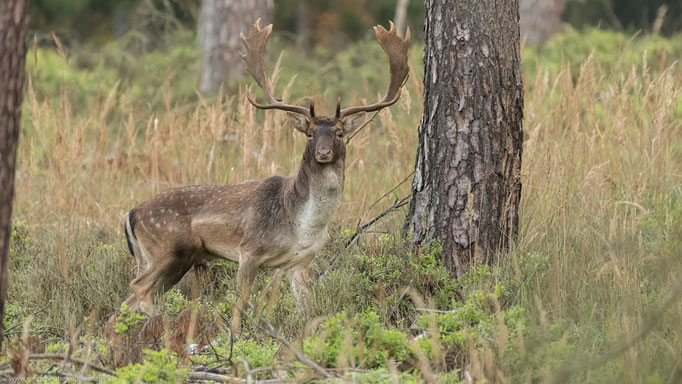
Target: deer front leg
column 300, row 285
column 245, row 276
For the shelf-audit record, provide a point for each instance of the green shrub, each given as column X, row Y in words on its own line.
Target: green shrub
column 19, row 238
column 393, row 268
column 175, row 302
column 65, row 277
column 256, row 354
column 127, row 319
column 158, row 367
column 363, row 341
column 614, row 52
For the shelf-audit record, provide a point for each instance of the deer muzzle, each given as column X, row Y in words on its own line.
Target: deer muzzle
column 324, row 155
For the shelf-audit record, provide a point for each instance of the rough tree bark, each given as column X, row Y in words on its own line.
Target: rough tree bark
column 540, row 19
column 220, row 22
column 467, row 185
column 13, row 27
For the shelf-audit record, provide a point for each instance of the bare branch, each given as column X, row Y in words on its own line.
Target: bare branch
column 273, row 333
column 366, row 123
column 362, row 228
column 214, row 377
column 58, row 357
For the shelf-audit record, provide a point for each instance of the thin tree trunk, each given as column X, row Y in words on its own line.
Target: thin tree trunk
column 467, row 185
column 220, row 22
column 303, row 22
column 540, row 19
column 400, row 18
column 13, row 26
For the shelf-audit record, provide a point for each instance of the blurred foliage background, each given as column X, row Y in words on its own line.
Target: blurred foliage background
column 98, row 21
column 144, row 45
column 112, row 116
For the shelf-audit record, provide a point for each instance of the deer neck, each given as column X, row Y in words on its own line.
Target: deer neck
column 317, row 192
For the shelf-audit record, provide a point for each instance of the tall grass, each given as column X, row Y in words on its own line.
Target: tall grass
column 598, row 252
column 98, row 164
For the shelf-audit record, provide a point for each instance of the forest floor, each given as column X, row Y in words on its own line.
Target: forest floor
column 589, row 293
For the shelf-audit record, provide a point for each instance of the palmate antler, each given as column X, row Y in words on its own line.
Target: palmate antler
column 394, row 47
column 396, row 50
column 254, row 58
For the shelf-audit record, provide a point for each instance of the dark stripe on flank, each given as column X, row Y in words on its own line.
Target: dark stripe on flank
column 131, row 220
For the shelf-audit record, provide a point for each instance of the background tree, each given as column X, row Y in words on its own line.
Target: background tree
column 540, row 19
column 400, row 16
column 220, row 22
column 630, row 15
column 326, row 19
column 303, row 22
column 13, row 26
column 467, row 185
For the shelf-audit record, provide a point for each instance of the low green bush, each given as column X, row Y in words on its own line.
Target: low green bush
column 158, row 367
column 360, row 341
column 614, row 52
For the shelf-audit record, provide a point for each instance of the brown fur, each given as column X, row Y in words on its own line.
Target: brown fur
column 278, row 222
column 266, row 223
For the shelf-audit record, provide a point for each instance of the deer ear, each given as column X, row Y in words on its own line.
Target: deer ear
column 300, row 122
column 353, row 122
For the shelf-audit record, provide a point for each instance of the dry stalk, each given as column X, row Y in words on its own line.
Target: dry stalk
column 63, row 357
column 274, row 333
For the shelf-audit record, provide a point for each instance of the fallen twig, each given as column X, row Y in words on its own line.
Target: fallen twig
column 69, row 350
column 273, row 333
column 199, row 375
column 58, row 357
column 419, row 309
column 10, row 330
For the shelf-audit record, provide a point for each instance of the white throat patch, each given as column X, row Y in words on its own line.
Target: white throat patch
column 319, row 209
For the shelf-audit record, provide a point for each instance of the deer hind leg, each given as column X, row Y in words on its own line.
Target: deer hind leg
column 143, row 287
column 161, row 274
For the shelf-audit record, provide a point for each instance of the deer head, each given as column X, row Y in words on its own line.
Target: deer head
column 326, row 133
column 278, row 222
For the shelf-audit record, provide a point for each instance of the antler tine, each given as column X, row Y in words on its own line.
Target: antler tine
column 338, row 107
column 255, row 64
column 396, row 50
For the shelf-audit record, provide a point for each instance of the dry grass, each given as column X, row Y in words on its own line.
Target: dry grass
column 89, row 169
column 601, row 208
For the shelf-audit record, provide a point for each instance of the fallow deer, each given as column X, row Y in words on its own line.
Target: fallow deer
column 278, row 222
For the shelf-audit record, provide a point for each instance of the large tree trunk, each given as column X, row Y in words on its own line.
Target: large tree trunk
column 220, row 22
column 13, row 26
column 540, row 19
column 467, row 185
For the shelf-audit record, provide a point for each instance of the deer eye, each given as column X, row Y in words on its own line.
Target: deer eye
column 339, row 133
column 309, row 134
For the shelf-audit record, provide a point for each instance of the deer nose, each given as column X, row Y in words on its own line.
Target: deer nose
column 324, row 154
